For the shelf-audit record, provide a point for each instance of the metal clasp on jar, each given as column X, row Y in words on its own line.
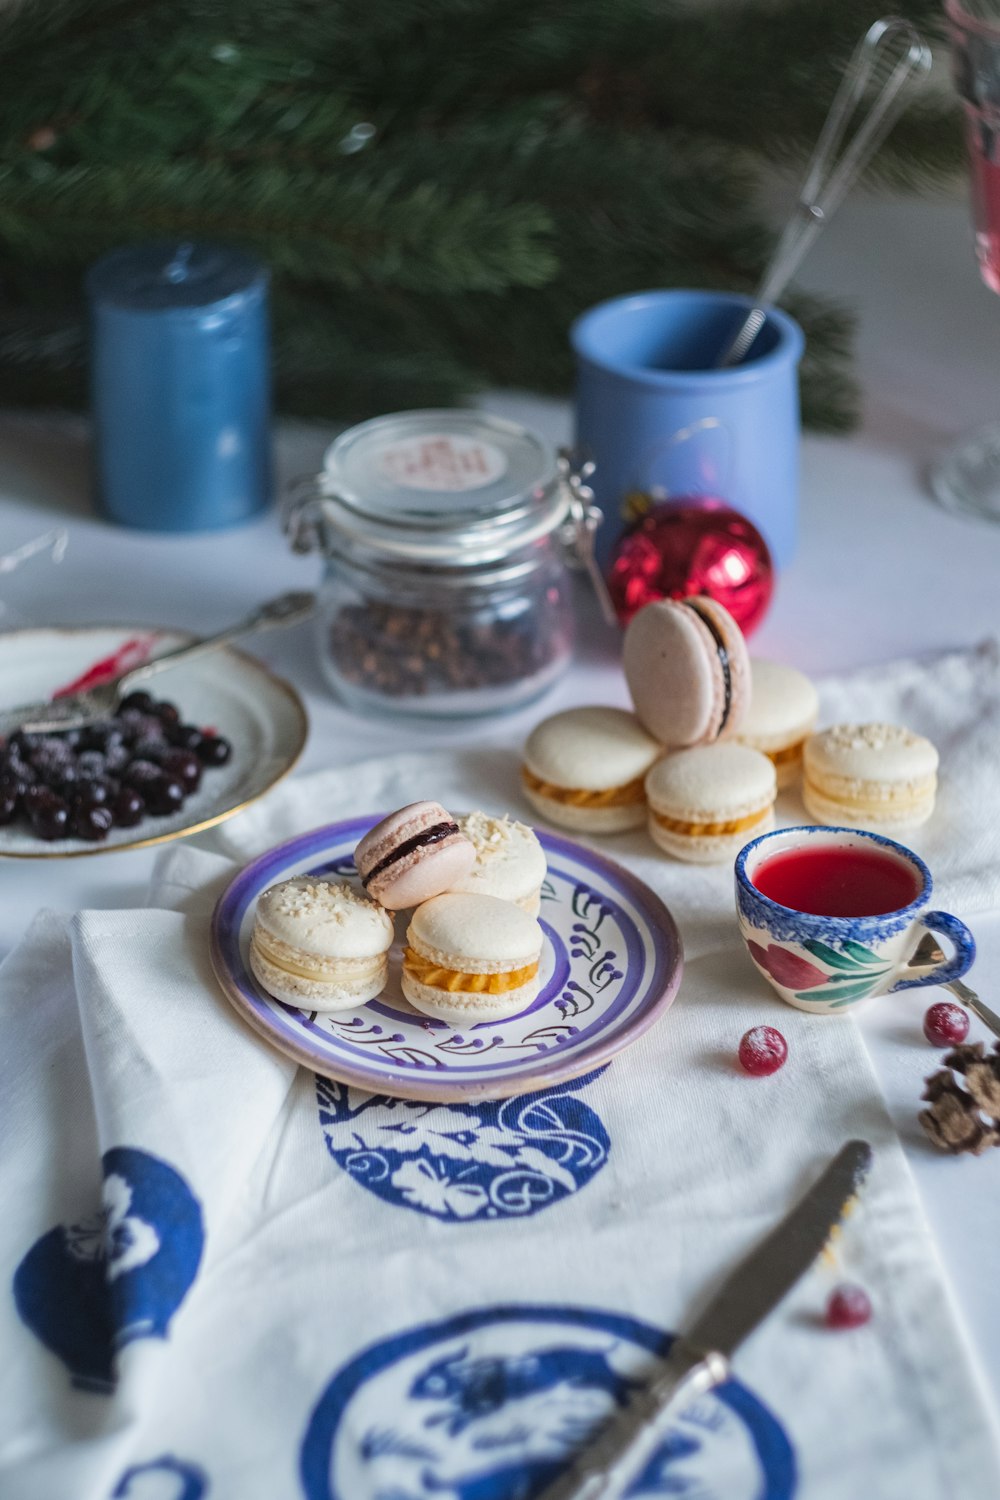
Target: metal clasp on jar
column 579, row 530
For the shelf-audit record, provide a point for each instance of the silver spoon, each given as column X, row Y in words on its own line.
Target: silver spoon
column 928, row 953
column 820, row 194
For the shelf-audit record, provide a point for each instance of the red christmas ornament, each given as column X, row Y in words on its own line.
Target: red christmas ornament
column 693, row 545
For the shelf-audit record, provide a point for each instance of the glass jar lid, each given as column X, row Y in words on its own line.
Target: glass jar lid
column 455, row 487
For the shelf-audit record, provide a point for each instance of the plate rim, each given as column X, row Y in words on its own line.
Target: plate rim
column 254, row 662
column 551, row 1071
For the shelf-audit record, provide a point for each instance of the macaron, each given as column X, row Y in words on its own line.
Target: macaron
column 585, row 768
column 471, row 958
column 688, row 671
column 874, row 776
column 707, row 802
column 510, row 862
column 412, row 855
column 320, row 944
column 784, row 707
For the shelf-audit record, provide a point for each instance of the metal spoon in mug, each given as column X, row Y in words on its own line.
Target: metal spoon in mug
column 820, row 194
column 78, row 709
column 928, row 953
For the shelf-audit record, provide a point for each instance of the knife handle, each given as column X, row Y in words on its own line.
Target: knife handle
column 603, row 1469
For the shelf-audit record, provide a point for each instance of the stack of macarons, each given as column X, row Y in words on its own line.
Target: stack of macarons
column 473, row 942
column 713, row 737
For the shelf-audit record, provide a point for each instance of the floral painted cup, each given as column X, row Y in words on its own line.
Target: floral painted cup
column 825, row 965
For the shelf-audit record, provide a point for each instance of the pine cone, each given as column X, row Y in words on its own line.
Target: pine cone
column 965, row 1119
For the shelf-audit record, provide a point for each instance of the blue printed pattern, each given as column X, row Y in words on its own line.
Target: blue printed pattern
column 490, row 1405
column 88, row 1289
column 191, row 1481
column 460, row 1162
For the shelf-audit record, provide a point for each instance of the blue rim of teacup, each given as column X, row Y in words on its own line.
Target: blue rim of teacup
column 837, row 924
column 788, row 349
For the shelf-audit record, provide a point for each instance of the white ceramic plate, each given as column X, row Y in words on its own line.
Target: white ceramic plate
column 236, row 695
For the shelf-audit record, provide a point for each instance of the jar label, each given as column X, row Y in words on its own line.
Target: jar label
column 442, row 461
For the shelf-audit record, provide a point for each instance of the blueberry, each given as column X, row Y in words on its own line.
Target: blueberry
column 48, row 814
column 164, row 796
column 8, row 805
column 141, row 701
column 93, row 823
column 184, row 736
column 152, row 748
column 22, row 742
column 141, row 773
column 214, row 750
column 128, row 807
column 100, row 735
column 185, row 765
column 91, row 763
column 91, row 791
column 166, row 712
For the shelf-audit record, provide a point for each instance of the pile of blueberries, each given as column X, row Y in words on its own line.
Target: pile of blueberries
column 84, row 782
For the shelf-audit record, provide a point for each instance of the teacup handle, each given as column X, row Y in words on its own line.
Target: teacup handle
column 952, row 968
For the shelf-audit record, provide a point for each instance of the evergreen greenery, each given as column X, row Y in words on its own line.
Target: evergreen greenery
column 528, row 158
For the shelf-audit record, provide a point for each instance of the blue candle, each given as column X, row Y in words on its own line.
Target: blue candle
column 180, row 386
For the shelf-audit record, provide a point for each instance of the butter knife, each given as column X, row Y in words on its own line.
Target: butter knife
column 699, row 1358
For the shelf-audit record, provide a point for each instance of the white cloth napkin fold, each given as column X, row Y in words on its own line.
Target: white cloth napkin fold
column 273, row 1287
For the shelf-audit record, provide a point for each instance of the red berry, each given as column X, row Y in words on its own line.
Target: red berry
column 848, row 1307
column 946, row 1024
column 762, row 1051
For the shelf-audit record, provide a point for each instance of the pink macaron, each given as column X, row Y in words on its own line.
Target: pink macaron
column 412, row 855
column 688, row 671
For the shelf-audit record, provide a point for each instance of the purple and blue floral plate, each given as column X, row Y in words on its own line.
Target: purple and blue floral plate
column 611, row 965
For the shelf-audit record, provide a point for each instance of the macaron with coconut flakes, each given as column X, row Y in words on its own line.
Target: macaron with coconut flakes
column 320, row 945
column 471, row 958
column 688, row 671
column 412, row 855
column 784, row 707
column 877, row 776
column 585, row 769
column 510, row 862
column 707, row 802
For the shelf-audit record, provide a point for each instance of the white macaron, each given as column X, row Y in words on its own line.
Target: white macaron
column 510, row 862
column 878, row 776
column 320, row 945
column 707, row 802
column 784, row 707
column 471, row 958
column 585, row 768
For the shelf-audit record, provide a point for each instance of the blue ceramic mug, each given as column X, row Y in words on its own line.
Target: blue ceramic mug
column 645, row 373
column 825, row 965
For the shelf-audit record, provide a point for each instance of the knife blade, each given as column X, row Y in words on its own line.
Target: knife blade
column 699, row 1357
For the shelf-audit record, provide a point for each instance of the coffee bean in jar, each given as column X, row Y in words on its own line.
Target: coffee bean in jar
column 446, row 536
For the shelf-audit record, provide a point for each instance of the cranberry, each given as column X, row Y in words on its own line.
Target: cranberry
column 48, row 814
column 92, row 823
column 164, row 795
column 128, row 807
column 848, row 1307
column 946, row 1024
column 214, row 750
column 141, row 701
column 185, row 736
column 763, row 1050
column 185, row 765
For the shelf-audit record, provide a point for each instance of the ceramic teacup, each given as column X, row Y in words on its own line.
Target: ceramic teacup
column 826, row 964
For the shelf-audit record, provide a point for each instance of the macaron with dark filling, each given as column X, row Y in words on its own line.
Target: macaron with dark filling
column 413, row 854
column 688, row 671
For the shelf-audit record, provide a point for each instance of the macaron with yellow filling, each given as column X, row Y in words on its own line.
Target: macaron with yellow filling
column 585, row 769
column 784, row 707
column 471, row 958
column 878, row 776
column 320, row 945
column 707, row 802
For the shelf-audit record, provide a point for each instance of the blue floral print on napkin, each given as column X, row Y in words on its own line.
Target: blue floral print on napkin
column 505, row 1158
column 87, row 1289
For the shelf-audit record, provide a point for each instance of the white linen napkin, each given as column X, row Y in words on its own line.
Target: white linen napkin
column 272, row 1287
